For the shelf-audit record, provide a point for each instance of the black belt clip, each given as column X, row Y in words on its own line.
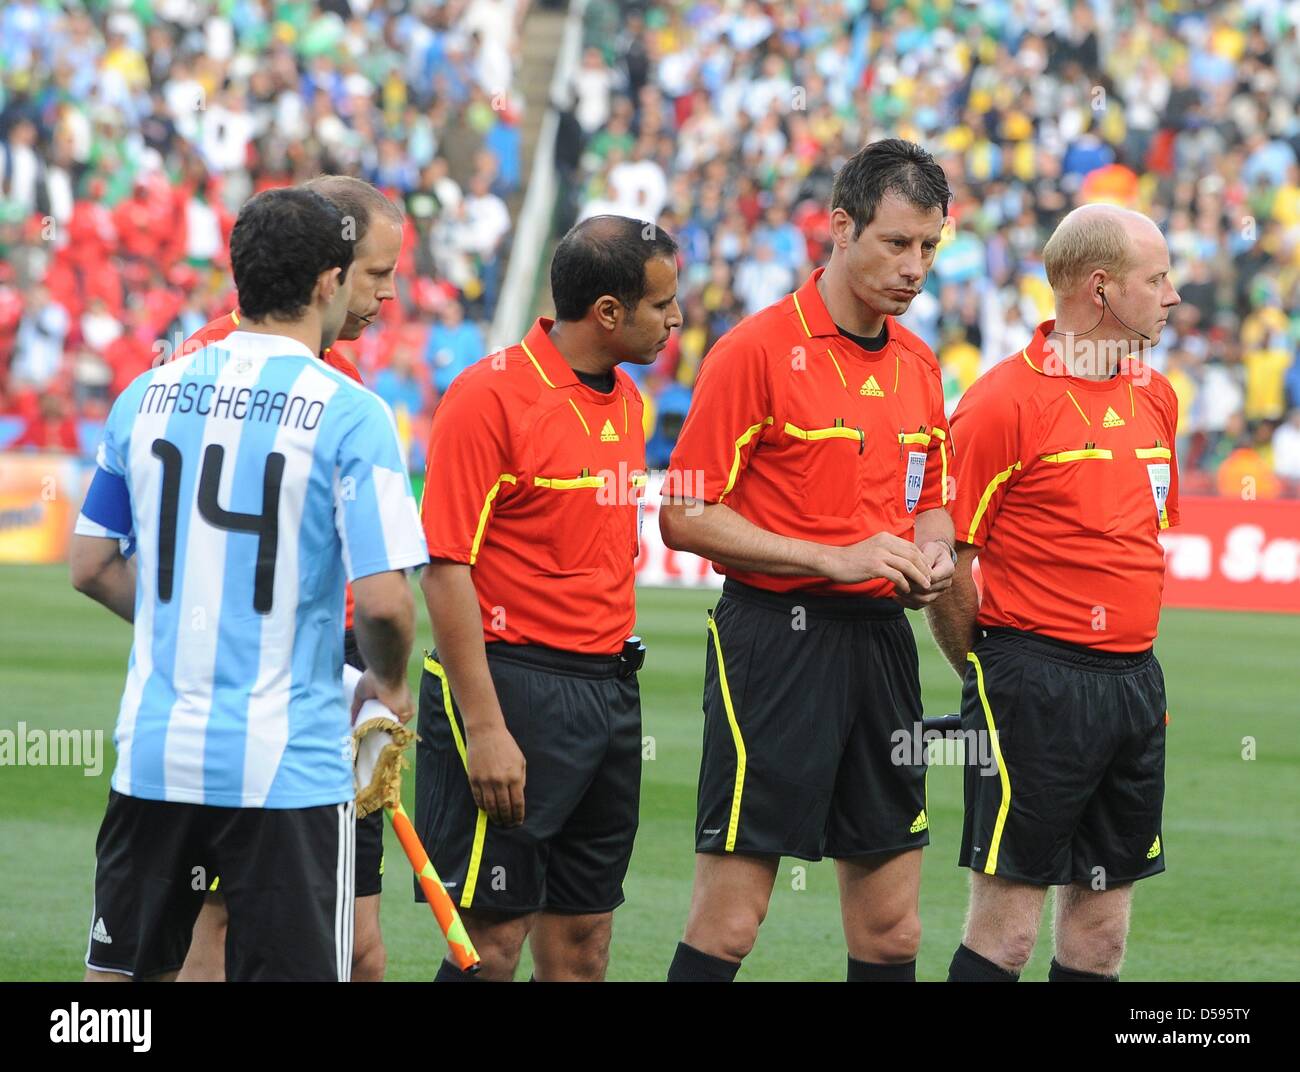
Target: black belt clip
column 632, row 657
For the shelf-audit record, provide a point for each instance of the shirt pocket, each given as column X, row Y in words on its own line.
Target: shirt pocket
column 1086, row 477
column 573, row 515
column 828, row 458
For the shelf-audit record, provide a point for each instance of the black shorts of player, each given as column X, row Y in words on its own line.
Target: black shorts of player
column 809, row 702
column 370, row 830
column 1072, row 780
column 286, row 874
column 578, row 725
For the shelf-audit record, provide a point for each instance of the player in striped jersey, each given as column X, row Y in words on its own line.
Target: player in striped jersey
column 378, row 225
column 249, row 480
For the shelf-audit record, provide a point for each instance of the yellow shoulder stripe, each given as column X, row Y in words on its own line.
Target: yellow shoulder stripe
column 987, row 497
column 488, row 499
column 742, row 441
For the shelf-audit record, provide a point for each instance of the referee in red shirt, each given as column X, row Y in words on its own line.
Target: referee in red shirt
column 1068, row 477
column 528, row 769
column 814, row 469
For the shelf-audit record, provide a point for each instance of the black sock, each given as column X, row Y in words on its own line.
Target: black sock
column 449, row 973
column 691, row 966
column 1060, row 974
column 862, row 971
column 969, row 967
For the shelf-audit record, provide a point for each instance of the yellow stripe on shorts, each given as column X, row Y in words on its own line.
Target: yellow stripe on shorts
column 734, row 823
column 480, row 825
column 991, row 861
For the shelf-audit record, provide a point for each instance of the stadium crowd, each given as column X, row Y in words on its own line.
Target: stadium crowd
column 724, row 122
column 132, row 131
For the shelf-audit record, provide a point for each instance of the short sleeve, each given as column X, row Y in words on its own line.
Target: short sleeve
column 731, row 409
column 375, row 513
column 471, row 466
column 985, row 438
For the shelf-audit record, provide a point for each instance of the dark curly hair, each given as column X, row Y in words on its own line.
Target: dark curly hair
column 282, row 241
column 888, row 166
column 605, row 255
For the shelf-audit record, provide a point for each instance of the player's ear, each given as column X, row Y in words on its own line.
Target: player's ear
column 608, row 310
column 1097, row 283
column 842, row 228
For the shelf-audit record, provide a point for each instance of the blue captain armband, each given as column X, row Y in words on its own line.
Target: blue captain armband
column 108, row 505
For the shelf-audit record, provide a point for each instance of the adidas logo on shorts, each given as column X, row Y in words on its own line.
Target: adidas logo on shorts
column 921, row 822
column 1154, row 851
column 100, row 933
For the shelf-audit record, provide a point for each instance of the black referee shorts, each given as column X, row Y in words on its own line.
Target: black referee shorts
column 1075, row 787
column 578, row 725
column 286, row 874
column 804, row 701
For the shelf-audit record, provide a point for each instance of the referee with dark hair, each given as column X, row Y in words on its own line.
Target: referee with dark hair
column 814, row 470
column 528, row 769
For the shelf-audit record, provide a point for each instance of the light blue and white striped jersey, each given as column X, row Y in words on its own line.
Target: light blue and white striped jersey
column 258, row 478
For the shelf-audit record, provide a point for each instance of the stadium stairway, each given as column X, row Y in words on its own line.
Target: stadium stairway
column 541, row 35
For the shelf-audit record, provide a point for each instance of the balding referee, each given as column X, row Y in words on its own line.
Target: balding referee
column 1068, row 477
column 528, row 769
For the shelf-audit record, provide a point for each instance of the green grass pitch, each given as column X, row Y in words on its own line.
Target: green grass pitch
column 1226, row 908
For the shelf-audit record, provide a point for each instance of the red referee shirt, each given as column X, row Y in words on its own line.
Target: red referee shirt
column 535, row 481
column 801, row 431
column 218, row 329
column 1066, row 484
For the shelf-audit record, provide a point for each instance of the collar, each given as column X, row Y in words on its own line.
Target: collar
column 814, row 317
column 1040, row 357
column 545, row 358
column 260, row 344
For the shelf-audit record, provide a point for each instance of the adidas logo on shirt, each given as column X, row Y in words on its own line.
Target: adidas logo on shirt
column 871, row 388
column 607, row 434
column 1112, row 419
column 100, row 932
